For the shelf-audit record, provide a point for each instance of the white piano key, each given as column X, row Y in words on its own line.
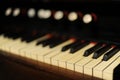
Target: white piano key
column 88, row 68
column 47, row 58
column 54, row 60
column 32, row 49
column 79, row 66
column 2, row 41
column 108, row 72
column 26, row 49
column 71, row 62
column 27, row 55
column 41, row 53
column 32, row 44
column 21, row 47
column 5, row 41
column 7, row 46
column 98, row 70
column 34, row 57
column 16, row 48
column 64, row 57
column 63, row 60
column 1, row 36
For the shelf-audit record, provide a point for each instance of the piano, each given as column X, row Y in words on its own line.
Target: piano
column 59, row 40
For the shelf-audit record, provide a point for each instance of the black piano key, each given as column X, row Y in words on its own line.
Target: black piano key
column 111, row 53
column 47, row 42
column 78, row 46
column 93, row 49
column 65, row 48
column 31, row 38
column 57, row 41
column 101, row 51
column 23, row 35
column 31, row 35
column 11, row 35
column 52, row 45
column 15, row 36
column 116, row 74
column 77, row 43
column 40, row 42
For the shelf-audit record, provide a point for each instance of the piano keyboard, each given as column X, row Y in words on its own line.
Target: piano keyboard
column 96, row 59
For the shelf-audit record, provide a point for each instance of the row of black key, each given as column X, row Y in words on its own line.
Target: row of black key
column 97, row 50
column 51, row 42
column 26, row 36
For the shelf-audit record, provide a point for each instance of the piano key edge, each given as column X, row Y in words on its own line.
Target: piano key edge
column 57, row 72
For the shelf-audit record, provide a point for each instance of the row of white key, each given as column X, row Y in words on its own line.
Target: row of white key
column 28, row 50
column 11, row 45
column 76, row 62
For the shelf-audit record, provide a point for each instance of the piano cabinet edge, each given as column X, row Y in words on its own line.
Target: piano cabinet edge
column 19, row 68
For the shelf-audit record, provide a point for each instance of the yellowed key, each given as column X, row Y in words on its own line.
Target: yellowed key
column 79, row 66
column 88, row 68
column 109, row 71
column 71, row 62
column 98, row 70
column 47, row 58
